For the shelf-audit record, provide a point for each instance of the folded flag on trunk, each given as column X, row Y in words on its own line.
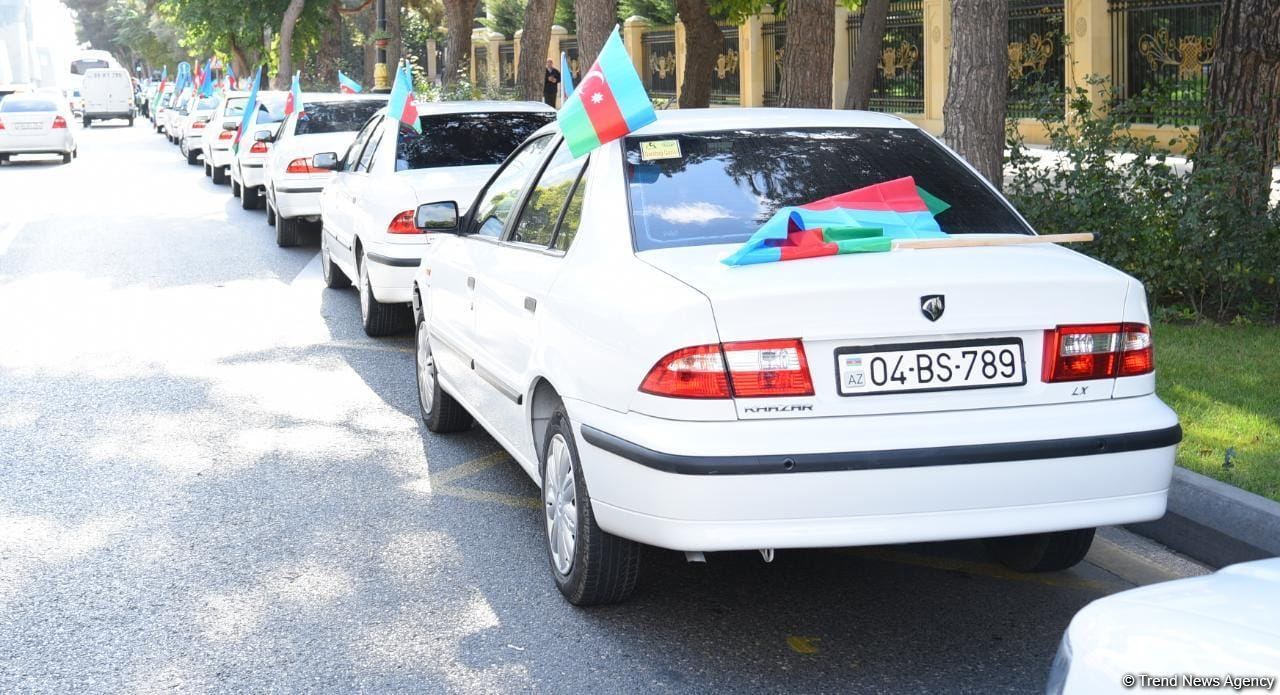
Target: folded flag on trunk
column 346, row 85
column 401, row 104
column 865, row 220
column 609, row 103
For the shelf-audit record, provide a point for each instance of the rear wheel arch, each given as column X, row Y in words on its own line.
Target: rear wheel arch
column 544, row 399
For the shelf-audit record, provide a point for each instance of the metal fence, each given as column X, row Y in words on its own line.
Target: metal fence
column 659, row 56
column 570, row 48
column 899, row 80
column 1161, row 51
column 507, row 65
column 1037, row 63
column 482, row 65
column 726, row 77
column 774, row 36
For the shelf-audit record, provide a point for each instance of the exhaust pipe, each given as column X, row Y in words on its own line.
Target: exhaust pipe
column 695, row 556
column 767, row 554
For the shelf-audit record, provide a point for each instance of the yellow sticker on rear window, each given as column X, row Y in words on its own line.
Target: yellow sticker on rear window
column 652, row 150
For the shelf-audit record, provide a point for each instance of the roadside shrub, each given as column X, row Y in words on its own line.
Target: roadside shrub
column 1189, row 238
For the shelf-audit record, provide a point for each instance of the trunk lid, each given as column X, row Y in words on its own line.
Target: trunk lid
column 836, row 303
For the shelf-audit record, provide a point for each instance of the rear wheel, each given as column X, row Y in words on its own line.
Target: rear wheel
column 1041, row 552
column 131, row 121
column 334, row 278
column 249, row 197
column 440, row 412
column 590, row 566
column 4, row 159
column 219, row 175
column 287, row 231
column 193, row 157
column 235, row 188
column 378, row 319
column 208, row 170
column 271, row 213
column 66, row 157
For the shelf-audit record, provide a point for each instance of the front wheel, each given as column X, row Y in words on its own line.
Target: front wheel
column 1041, row 552
column 441, row 413
column 590, row 566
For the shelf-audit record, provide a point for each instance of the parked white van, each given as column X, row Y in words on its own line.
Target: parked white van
column 108, row 93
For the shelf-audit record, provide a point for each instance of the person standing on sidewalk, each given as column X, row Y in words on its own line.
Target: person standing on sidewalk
column 551, row 85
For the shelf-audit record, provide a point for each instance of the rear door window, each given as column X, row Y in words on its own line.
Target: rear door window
column 537, row 223
column 499, row 199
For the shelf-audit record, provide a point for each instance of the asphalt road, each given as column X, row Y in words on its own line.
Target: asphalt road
column 211, row 480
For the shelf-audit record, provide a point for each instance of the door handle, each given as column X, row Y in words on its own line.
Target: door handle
column 471, row 283
column 530, row 304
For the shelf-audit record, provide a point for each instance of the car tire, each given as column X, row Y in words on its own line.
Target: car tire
column 4, row 159
column 271, row 214
column 376, row 318
column 219, row 175
column 250, row 197
column 287, row 231
column 441, row 413
column 66, row 157
column 157, row 130
column 1041, row 552
column 591, row 567
column 193, row 158
column 235, row 188
column 334, row 278
column 208, row 170
column 87, row 121
column 131, row 121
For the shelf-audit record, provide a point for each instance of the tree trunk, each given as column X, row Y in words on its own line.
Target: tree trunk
column 368, row 22
column 866, row 56
column 239, row 60
column 330, row 52
column 535, row 39
column 395, row 46
column 596, row 19
column 978, row 84
column 1243, row 126
column 703, row 43
column 291, row 13
column 459, row 15
column 809, row 54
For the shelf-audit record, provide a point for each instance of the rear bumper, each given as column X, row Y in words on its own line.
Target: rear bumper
column 53, row 144
column 895, row 479
column 298, row 199
column 391, row 270
column 251, row 174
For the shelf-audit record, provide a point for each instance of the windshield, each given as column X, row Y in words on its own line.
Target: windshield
column 336, row 117
column 19, row 105
column 720, row 187
column 465, row 139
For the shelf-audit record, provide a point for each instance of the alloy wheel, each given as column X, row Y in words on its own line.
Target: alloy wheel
column 426, row 371
column 560, row 500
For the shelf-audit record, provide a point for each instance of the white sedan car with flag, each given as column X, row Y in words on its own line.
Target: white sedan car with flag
column 708, row 334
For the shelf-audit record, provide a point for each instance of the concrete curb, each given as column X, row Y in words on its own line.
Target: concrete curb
column 1215, row 523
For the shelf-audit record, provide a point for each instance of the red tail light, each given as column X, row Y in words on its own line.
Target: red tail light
column 750, row 369
column 197, row 125
column 403, row 224
column 1097, row 351
column 59, row 122
column 258, row 148
column 227, row 135
column 302, row 165
column 1, row 124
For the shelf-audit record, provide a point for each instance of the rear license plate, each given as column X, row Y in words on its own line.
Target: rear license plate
column 29, row 126
column 918, row 367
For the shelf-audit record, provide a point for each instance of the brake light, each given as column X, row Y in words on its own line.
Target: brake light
column 302, row 165
column 258, row 148
column 403, row 224
column 226, row 135
column 749, row 369
column 1097, row 351
column 197, row 125
column 1, row 124
column 59, row 122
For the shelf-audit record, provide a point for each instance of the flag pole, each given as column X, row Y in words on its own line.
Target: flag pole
column 954, row 242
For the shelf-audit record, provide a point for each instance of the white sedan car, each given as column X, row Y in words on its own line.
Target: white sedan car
column 327, row 123
column 191, row 140
column 220, row 135
column 367, row 209
column 1223, row 628
column 580, row 312
column 246, row 166
column 35, row 124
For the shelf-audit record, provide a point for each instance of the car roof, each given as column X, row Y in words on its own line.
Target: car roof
column 681, row 121
column 339, row 96
column 431, row 107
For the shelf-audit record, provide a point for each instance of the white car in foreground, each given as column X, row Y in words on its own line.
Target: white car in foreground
column 327, row 123
column 35, row 124
column 367, row 209
column 580, row 312
column 1223, row 628
column 246, row 168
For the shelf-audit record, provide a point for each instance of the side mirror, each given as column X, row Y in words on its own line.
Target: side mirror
column 231, row 126
column 264, row 136
column 326, row 160
column 437, row 217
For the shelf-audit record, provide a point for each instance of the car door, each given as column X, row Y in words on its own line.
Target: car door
column 339, row 198
column 517, row 279
column 458, row 267
column 365, row 203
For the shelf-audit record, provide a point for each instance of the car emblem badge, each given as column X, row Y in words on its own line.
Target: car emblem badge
column 932, row 306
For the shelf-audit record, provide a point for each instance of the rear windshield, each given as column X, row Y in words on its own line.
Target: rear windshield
column 271, row 111
column 719, row 187
column 235, row 107
column 207, row 104
column 465, row 139
column 12, row 105
column 336, row 117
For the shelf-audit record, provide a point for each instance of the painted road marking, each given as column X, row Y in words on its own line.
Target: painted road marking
column 442, row 483
column 803, row 645
column 311, row 274
column 9, row 232
column 984, row 569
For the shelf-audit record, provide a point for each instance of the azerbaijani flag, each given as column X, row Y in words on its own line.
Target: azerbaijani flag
column 230, row 77
column 400, row 104
column 164, row 77
column 250, row 107
column 865, row 220
column 566, row 75
column 346, row 85
column 609, row 103
column 206, row 81
column 293, row 102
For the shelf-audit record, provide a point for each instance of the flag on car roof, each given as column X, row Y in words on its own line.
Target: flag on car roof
column 346, row 85
column 230, row 77
column 293, row 102
column 566, row 75
column 250, row 107
column 400, row 104
column 206, row 83
column 864, row 220
column 164, row 77
column 609, row 102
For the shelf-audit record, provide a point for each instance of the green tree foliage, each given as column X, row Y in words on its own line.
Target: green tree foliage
column 656, row 11
column 504, row 16
column 565, row 16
